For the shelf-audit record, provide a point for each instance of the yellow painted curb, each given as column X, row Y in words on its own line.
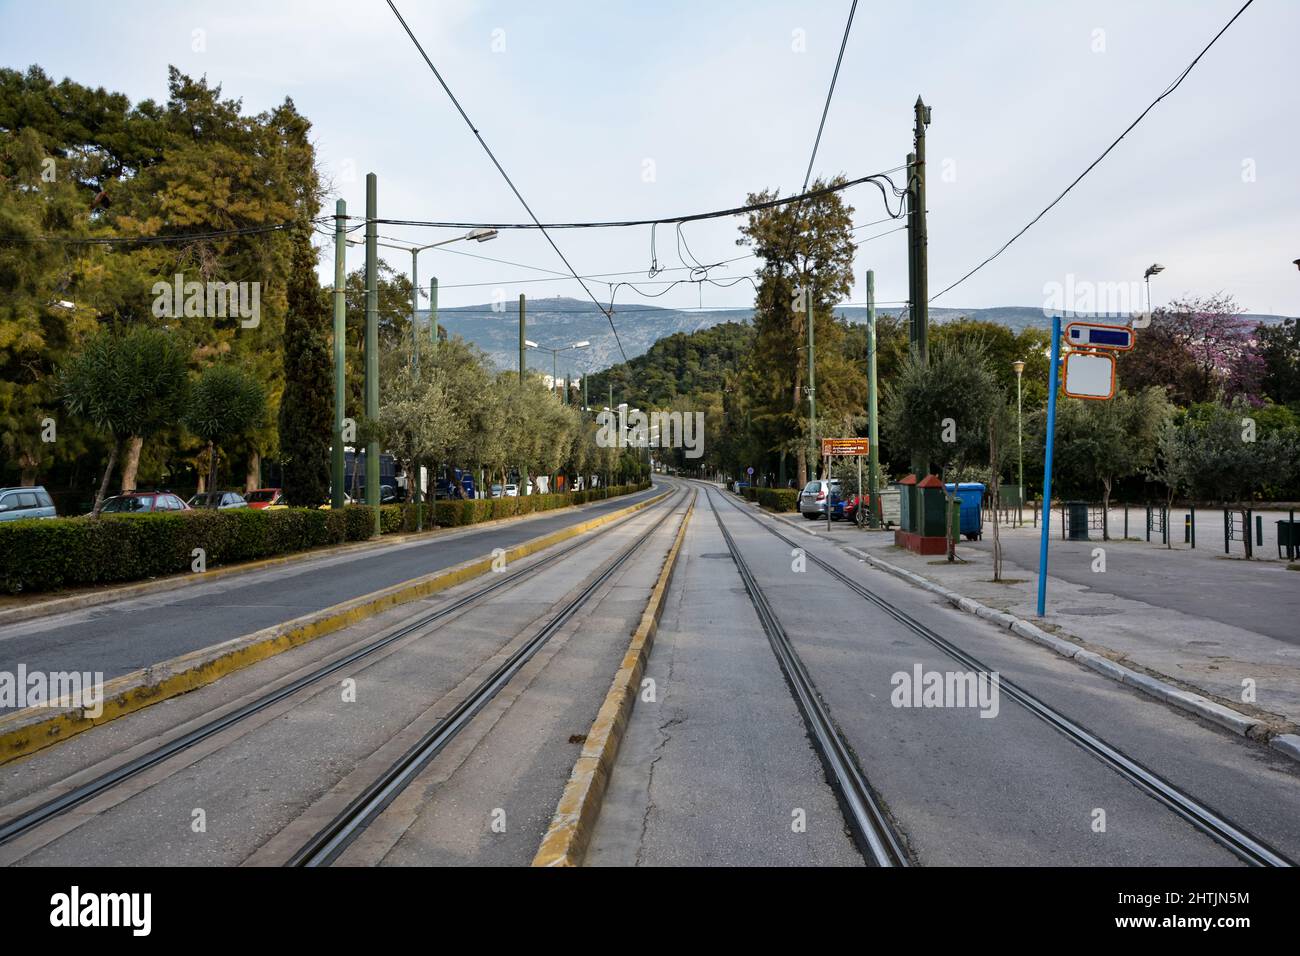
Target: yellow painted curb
column 36, row 728
column 18, row 614
column 567, row 838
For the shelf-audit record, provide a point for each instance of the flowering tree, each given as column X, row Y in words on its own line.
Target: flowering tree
column 1198, row 350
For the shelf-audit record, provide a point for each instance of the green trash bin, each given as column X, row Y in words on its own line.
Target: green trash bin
column 1078, row 521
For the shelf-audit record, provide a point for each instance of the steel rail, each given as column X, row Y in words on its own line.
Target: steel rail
column 332, row 839
column 871, row 828
column 1236, row 839
column 15, row 827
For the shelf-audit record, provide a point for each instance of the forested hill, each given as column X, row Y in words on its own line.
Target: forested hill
column 685, row 363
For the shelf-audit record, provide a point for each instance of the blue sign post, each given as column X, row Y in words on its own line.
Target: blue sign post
column 1052, row 383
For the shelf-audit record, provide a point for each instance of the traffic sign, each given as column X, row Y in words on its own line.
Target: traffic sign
column 844, row 446
column 749, row 470
column 1089, row 375
column 1094, row 335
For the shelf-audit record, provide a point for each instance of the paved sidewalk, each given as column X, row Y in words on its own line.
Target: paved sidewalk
column 1196, row 618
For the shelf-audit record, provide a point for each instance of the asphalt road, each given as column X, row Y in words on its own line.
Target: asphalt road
column 128, row 635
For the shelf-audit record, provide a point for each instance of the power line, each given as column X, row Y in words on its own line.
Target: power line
column 1169, row 89
column 830, row 93
column 873, row 178
column 502, row 171
column 154, row 239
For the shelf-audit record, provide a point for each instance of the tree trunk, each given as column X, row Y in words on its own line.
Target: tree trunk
column 212, row 466
column 131, row 462
column 253, row 475
column 29, row 465
column 108, row 473
column 1105, row 509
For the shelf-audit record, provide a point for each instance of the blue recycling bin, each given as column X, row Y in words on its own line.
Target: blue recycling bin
column 970, row 497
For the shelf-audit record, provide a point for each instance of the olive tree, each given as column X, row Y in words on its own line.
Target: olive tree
column 941, row 409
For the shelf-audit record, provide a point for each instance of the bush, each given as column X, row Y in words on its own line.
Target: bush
column 74, row 552
column 779, row 499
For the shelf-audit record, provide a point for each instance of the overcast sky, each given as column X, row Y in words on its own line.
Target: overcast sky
column 577, row 99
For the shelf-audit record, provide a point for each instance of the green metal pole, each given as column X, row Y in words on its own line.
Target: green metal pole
column 873, row 434
column 415, row 309
column 337, row 459
column 433, row 312
column 372, row 341
column 523, row 363
column 413, row 480
column 812, row 389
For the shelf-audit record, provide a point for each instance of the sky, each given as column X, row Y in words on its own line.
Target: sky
column 618, row 110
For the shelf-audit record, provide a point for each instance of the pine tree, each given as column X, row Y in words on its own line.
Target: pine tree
column 306, row 407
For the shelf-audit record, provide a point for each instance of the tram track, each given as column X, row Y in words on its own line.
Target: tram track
column 1236, row 839
column 33, row 819
column 328, row 843
column 872, row 830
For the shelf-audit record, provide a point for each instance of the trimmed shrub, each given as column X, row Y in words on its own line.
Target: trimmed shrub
column 46, row 555
column 779, row 499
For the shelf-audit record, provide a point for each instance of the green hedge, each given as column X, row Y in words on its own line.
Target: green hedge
column 74, row 552
column 777, row 499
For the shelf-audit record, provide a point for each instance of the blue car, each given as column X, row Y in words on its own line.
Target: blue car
column 19, row 503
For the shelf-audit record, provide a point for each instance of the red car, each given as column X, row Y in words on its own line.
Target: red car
column 260, row 498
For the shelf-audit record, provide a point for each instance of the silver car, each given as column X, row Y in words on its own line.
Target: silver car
column 815, row 494
column 19, row 503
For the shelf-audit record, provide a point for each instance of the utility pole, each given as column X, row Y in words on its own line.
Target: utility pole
column 415, row 314
column 921, row 306
column 812, row 389
column 523, row 361
column 372, row 340
column 337, row 458
column 873, row 435
column 433, row 312
column 918, row 255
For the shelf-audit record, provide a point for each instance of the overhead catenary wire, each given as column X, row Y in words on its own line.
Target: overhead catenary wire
column 1106, row 152
column 501, row 170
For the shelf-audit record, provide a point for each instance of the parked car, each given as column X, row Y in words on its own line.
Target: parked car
column 497, row 491
column 143, row 502
column 264, row 497
column 222, row 500
column 19, row 503
column 815, row 495
column 512, row 491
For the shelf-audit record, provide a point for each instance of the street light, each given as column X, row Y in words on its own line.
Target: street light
column 474, row 235
column 1152, row 270
column 554, row 354
column 1019, row 366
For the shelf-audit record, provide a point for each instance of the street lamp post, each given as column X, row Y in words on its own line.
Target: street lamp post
column 1019, row 366
column 475, row 235
column 1152, row 270
column 554, row 360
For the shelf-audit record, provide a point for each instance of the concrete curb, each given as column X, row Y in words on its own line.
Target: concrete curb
column 567, row 838
column 124, row 592
column 36, row 728
column 1226, row 717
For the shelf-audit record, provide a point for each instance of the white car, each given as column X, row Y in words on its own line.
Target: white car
column 512, row 491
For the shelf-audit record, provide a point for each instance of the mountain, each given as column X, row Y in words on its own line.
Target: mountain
column 560, row 321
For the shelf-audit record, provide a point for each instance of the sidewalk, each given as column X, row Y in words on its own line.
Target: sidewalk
column 1195, row 618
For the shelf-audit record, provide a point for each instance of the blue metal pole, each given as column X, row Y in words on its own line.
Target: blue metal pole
column 1047, row 462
